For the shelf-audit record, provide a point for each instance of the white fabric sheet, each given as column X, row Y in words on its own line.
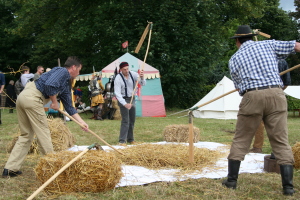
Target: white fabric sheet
column 136, row 175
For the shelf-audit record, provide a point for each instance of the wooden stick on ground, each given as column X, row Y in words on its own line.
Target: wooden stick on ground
column 82, row 126
column 59, row 172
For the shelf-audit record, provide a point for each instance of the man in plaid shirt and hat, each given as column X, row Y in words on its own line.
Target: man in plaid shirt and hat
column 254, row 72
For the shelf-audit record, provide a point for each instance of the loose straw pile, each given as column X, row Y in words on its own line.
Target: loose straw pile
column 61, row 137
column 156, row 156
column 296, row 152
column 95, row 171
column 117, row 114
column 180, row 133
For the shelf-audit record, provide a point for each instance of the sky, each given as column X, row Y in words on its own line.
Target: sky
column 287, row 5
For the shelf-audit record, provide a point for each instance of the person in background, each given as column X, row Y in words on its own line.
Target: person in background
column 259, row 135
column 31, row 114
column 97, row 99
column 124, row 84
column 2, row 85
column 26, row 76
column 11, row 96
column 39, row 71
column 254, row 72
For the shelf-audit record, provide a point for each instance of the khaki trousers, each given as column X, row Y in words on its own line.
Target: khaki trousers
column 32, row 119
column 270, row 106
column 259, row 137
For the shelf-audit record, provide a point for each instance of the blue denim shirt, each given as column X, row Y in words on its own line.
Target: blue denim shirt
column 57, row 82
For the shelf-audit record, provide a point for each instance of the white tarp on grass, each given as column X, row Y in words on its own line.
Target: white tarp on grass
column 136, row 175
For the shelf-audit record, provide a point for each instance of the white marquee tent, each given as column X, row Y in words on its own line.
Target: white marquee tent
column 293, row 91
column 223, row 108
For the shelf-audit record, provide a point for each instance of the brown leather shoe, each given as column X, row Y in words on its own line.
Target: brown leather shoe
column 123, row 144
column 133, row 142
column 255, row 150
column 8, row 173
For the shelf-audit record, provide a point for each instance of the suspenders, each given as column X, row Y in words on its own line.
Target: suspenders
column 126, row 84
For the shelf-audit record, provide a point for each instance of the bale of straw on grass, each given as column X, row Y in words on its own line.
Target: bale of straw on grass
column 296, row 153
column 61, row 137
column 180, row 133
column 95, row 171
column 158, row 156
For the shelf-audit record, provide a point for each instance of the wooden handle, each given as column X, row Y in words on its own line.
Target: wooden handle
column 72, row 118
column 142, row 69
column 290, row 69
column 264, row 34
column 137, row 49
column 219, row 97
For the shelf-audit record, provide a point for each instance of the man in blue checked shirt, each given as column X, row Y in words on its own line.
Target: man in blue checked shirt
column 254, row 71
column 31, row 115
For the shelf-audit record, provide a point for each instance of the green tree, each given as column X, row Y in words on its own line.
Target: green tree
column 190, row 42
column 14, row 50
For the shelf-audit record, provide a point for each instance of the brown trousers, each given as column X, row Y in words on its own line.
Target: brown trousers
column 259, row 136
column 32, row 120
column 270, row 106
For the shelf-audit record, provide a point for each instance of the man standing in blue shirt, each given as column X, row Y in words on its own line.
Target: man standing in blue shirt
column 2, row 84
column 31, row 115
column 254, row 71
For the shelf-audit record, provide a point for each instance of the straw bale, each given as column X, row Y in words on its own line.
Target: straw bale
column 95, row 171
column 180, row 133
column 158, row 156
column 61, row 137
column 296, row 152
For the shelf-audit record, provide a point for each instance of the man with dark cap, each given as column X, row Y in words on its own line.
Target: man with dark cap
column 254, row 71
column 31, row 114
column 2, row 84
column 124, row 84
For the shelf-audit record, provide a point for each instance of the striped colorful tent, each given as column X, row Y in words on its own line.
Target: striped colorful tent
column 150, row 102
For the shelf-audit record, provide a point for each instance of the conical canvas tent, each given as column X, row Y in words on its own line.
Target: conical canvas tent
column 293, row 91
column 223, row 108
column 150, row 102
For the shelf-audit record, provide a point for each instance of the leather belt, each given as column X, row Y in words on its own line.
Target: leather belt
column 262, row 88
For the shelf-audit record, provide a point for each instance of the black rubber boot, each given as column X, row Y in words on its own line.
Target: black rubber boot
column 287, row 179
column 233, row 173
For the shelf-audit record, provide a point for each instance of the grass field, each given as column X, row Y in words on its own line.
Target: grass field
column 148, row 129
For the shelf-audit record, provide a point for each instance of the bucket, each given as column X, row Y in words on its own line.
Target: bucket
column 270, row 165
